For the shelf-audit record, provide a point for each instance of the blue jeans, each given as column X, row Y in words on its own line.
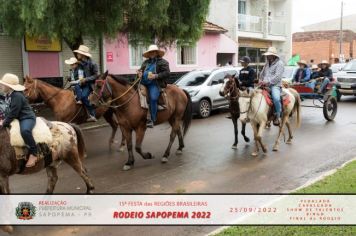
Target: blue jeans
column 311, row 84
column 153, row 91
column 85, row 92
column 276, row 97
column 323, row 85
column 26, row 127
column 78, row 92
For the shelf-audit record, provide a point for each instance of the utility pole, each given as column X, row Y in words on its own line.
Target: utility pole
column 341, row 57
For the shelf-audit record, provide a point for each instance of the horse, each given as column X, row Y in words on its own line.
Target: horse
column 64, row 107
column 230, row 91
column 255, row 108
column 115, row 92
column 70, row 149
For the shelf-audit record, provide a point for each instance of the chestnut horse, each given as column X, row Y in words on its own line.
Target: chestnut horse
column 230, row 91
column 117, row 93
column 64, row 107
column 71, row 149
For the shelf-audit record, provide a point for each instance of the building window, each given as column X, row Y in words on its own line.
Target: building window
column 136, row 58
column 186, row 54
column 242, row 7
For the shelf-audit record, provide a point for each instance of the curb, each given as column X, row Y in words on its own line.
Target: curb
column 95, row 127
column 308, row 183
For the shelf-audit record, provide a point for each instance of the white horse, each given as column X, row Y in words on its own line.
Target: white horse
column 254, row 107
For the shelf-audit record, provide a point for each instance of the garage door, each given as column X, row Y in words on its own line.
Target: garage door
column 11, row 56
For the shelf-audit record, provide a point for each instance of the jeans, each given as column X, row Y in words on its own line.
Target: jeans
column 26, row 127
column 323, row 85
column 85, row 92
column 78, row 92
column 276, row 97
column 311, row 84
column 153, row 91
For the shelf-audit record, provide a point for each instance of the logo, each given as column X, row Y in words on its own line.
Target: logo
column 25, row 211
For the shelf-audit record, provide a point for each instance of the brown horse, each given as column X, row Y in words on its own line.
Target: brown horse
column 64, row 107
column 71, row 149
column 117, row 93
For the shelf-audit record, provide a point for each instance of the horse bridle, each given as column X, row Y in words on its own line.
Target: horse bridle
column 34, row 90
column 232, row 89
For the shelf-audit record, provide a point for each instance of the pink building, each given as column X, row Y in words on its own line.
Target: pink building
column 212, row 49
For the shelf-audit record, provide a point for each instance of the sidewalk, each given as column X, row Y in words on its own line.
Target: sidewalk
column 45, row 112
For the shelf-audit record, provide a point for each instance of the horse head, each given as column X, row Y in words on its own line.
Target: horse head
column 99, row 93
column 245, row 97
column 31, row 91
column 229, row 89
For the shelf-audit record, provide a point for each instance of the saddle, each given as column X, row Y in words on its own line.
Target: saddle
column 284, row 98
column 144, row 99
column 42, row 133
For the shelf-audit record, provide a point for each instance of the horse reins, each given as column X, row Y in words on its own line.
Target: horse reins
column 107, row 86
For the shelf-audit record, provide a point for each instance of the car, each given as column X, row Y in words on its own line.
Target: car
column 289, row 73
column 204, row 86
column 337, row 67
column 346, row 79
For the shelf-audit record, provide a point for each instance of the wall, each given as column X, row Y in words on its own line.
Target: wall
column 207, row 48
column 43, row 64
column 224, row 14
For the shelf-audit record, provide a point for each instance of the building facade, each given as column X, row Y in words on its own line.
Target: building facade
column 257, row 24
column 324, row 45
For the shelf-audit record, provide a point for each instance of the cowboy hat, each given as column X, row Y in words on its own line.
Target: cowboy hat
column 84, row 50
column 152, row 48
column 314, row 67
column 71, row 61
column 302, row 62
column 271, row 51
column 12, row 81
column 325, row 62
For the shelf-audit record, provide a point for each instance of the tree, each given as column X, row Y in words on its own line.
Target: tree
column 143, row 20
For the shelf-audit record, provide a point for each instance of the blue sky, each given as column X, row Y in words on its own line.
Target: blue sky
column 307, row 12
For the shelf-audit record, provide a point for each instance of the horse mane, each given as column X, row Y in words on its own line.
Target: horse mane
column 46, row 83
column 119, row 79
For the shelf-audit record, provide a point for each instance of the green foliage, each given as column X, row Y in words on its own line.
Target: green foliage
column 143, row 20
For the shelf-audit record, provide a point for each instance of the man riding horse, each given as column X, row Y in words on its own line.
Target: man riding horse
column 154, row 72
column 271, row 76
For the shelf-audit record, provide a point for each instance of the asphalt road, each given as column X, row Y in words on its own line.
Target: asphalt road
column 208, row 165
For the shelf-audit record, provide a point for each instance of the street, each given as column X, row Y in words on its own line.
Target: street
column 208, row 165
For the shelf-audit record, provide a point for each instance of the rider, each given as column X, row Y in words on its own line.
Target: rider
column 154, row 73
column 326, row 74
column 247, row 74
column 271, row 76
column 303, row 73
column 20, row 109
column 87, row 80
column 314, row 75
column 75, row 70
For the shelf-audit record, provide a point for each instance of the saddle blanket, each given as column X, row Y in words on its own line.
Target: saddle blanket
column 142, row 91
column 41, row 133
column 267, row 95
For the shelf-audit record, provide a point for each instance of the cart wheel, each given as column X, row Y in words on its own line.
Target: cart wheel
column 330, row 108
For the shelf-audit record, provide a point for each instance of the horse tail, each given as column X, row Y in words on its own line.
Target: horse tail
column 297, row 106
column 80, row 142
column 188, row 114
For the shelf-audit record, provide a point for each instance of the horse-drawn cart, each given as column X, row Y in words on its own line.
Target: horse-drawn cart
column 326, row 101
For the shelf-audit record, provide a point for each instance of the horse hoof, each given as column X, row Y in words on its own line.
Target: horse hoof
column 164, row 160
column 90, row 191
column 8, row 229
column 179, row 152
column 275, row 149
column 254, row 154
column 122, row 149
column 234, row 147
column 289, row 142
column 247, row 140
column 126, row 167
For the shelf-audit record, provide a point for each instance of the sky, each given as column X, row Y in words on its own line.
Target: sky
column 306, row 12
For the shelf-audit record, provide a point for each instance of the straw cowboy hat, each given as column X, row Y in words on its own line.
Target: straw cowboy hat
column 71, row 61
column 325, row 62
column 152, row 48
column 314, row 67
column 302, row 62
column 12, row 81
column 84, row 50
column 271, row 51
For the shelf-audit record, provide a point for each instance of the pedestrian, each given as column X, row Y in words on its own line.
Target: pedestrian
column 87, row 79
column 271, row 76
column 20, row 109
column 154, row 72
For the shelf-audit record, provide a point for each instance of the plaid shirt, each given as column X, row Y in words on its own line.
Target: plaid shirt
column 273, row 73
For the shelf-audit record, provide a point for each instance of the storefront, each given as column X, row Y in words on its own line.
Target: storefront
column 253, row 49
